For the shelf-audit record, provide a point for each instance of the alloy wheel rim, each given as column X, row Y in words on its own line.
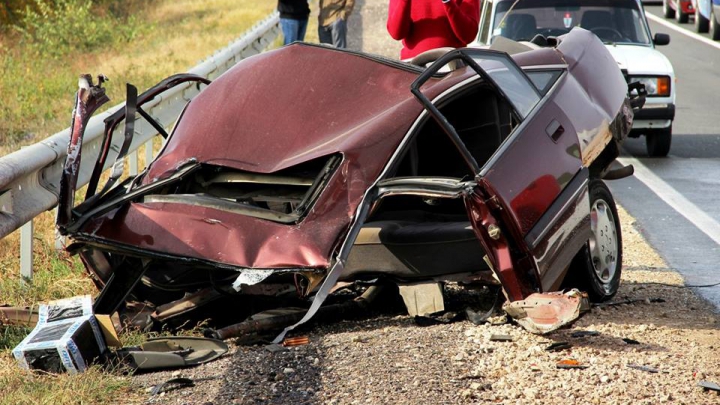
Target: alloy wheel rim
column 603, row 243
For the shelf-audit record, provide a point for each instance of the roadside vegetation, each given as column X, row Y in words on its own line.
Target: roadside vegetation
column 44, row 46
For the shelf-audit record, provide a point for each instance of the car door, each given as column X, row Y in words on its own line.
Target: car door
column 529, row 208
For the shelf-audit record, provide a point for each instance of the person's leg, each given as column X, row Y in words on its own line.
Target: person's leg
column 290, row 30
column 302, row 28
column 325, row 34
column 339, row 33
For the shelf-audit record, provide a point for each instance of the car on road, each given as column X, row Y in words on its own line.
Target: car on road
column 622, row 26
column 678, row 9
column 706, row 17
column 308, row 168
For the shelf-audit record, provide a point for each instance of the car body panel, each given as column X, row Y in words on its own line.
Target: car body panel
column 273, row 171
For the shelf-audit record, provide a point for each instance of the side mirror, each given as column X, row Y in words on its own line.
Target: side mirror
column 661, row 39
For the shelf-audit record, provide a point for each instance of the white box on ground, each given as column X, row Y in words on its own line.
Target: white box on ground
column 66, row 338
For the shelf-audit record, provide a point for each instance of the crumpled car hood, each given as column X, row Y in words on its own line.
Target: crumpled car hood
column 273, row 126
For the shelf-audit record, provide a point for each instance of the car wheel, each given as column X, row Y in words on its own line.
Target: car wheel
column 668, row 11
column 701, row 23
column 681, row 16
column 658, row 142
column 714, row 25
column 596, row 269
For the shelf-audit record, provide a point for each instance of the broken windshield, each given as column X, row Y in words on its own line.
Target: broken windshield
column 612, row 21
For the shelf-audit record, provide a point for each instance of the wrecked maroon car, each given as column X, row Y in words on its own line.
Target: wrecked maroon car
column 308, row 168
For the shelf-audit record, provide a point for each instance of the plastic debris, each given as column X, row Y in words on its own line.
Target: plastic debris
column 501, row 338
column 570, row 363
column 709, row 385
column 584, row 333
column 558, row 346
column 643, row 368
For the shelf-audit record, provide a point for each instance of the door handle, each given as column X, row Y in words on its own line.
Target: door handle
column 554, row 130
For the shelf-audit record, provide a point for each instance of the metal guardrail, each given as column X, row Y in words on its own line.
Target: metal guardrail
column 30, row 177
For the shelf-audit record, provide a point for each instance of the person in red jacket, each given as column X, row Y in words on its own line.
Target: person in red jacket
column 428, row 24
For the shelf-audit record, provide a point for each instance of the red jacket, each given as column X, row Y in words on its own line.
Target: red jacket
column 429, row 24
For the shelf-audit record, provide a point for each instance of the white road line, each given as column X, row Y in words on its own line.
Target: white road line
column 681, row 30
column 682, row 205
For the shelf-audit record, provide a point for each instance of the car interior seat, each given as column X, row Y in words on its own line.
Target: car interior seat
column 520, row 27
column 411, row 238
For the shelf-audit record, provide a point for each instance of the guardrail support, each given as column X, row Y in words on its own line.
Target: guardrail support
column 20, row 171
column 26, row 251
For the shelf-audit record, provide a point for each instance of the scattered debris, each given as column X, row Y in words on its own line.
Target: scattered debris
column 170, row 352
column 296, row 341
column 67, row 337
column 24, row 316
column 439, row 319
column 541, row 313
column 570, row 363
column 584, row 333
column 558, row 346
column 500, row 338
column 643, row 368
column 172, row 384
column 274, row 348
column 629, row 301
column 709, row 385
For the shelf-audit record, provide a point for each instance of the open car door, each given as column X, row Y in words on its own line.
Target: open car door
column 531, row 196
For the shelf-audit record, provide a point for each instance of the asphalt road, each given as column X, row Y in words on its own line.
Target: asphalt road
column 675, row 199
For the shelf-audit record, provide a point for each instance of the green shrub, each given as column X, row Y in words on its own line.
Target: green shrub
column 59, row 27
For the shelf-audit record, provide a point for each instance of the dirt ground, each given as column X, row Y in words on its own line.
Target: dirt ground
column 653, row 349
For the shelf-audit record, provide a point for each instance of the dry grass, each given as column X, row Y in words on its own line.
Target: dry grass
column 176, row 36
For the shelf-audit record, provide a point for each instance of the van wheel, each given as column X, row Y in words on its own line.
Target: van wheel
column 680, row 16
column 668, row 11
column 597, row 268
column 701, row 23
column 714, row 25
column 658, row 142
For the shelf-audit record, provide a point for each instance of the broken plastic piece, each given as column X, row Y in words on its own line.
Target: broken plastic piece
column 631, row 341
column 274, row 348
column 584, row 333
column 709, row 385
column 172, row 352
column 172, row 384
column 571, row 363
column 642, row 368
column 557, row 346
column 541, row 313
column 501, row 338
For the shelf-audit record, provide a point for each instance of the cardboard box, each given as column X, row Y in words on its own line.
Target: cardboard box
column 66, row 338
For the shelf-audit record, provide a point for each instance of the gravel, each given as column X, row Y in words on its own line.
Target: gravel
column 390, row 359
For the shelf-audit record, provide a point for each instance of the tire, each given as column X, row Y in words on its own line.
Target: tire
column 658, row 142
column 702, row 24
column 668, row 11
column 680, row 16
column 714, row 25
column 597, row 268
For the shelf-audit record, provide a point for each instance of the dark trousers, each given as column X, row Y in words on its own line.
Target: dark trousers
column 334, row 34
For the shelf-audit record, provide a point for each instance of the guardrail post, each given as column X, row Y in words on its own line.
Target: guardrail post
column 148, row 152
column 133, row 157
column 26, row 251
